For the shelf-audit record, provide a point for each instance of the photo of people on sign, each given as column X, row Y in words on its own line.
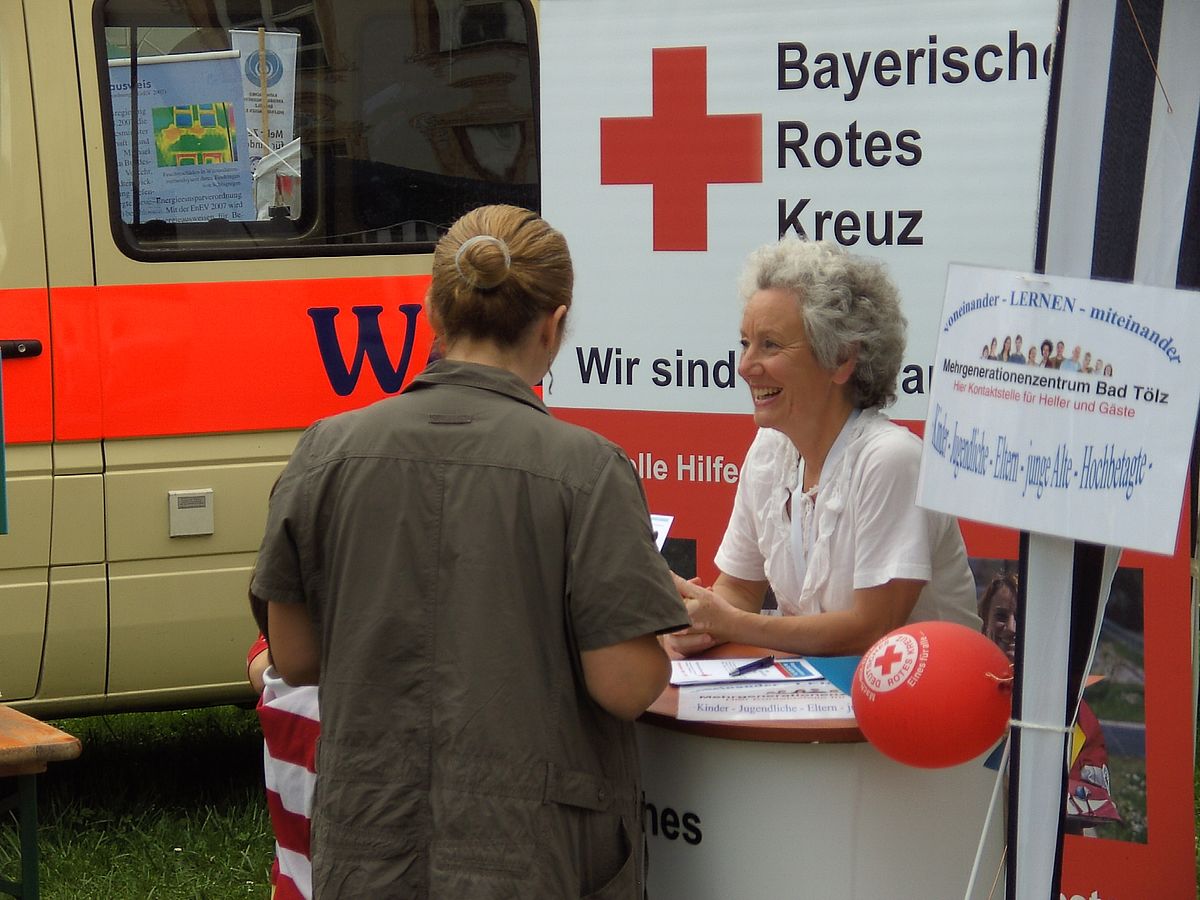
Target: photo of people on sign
column 1051, row 447
column 1048, row 354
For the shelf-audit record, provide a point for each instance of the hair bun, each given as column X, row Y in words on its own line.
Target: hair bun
column 478, row 265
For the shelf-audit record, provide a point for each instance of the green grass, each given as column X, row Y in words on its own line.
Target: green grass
column 1128, row 774
column 167, row 806
column 1112, row 701
column 170, row 806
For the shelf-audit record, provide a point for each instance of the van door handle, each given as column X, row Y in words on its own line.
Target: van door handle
column 20, row 349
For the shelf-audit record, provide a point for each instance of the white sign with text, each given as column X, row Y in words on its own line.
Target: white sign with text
column 678, row 135
column 277, row 89
column 1063, row 406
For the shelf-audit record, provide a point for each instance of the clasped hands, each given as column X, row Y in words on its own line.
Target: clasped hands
column 710, row 615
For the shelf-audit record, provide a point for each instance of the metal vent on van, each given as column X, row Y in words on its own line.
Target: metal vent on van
column 190, row 512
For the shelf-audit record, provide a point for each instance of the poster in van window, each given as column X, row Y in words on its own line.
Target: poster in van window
column 279, row 89
column 192, row 160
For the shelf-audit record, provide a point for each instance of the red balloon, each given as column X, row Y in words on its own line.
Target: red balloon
column 933, row 694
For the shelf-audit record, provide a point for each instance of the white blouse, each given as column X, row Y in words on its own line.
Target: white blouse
column 862, row 530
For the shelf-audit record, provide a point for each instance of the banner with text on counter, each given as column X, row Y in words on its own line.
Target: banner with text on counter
column 1063, row 406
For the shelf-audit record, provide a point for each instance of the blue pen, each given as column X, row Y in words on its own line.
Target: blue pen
column 765, row 663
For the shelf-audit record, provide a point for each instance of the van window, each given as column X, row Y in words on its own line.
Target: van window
column 313, row 128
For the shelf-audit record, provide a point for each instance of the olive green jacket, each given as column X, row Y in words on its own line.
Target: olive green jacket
column 458, row 548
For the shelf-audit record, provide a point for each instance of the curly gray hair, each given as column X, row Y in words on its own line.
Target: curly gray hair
column 848, row 304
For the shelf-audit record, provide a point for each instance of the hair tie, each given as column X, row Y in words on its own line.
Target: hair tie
column 475, row 240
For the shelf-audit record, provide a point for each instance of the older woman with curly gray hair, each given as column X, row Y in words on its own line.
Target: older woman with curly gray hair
column 825, row 513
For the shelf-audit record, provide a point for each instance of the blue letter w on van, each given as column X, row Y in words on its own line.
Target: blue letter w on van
column 370, row 346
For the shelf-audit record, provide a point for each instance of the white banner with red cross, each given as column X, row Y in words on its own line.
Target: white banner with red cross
column 677, row 136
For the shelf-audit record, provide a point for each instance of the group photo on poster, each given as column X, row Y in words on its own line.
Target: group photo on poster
column 1048, row 354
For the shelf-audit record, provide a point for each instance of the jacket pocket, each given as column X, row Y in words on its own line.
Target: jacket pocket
column 627, row 883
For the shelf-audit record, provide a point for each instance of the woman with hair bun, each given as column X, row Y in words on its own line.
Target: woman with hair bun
column 474, row 587
column 825, row 514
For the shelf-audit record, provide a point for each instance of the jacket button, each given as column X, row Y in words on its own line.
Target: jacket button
column 600, row 795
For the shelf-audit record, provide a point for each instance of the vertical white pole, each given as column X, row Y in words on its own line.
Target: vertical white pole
column 1041, row 747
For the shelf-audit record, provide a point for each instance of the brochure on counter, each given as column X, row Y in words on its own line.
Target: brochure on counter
column 721, row 671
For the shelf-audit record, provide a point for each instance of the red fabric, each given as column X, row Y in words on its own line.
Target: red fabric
column 290, row 724
column 290, row 738
column 285, row 889
column 1093, row 752
column 259, row 645
column 1089, row 801
column 289, row 720
column 293, row 831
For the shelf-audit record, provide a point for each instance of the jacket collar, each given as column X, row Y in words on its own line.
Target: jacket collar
column 487, row 378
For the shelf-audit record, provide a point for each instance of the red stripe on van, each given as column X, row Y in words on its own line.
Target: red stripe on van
column 173, row 359
column 25, row 382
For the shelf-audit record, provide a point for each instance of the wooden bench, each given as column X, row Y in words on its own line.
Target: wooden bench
column 27, row 746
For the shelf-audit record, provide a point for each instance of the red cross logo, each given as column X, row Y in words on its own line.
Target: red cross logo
column 887, row 659
column 681, row 149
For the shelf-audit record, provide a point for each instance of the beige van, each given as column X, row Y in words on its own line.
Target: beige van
column 216, row 228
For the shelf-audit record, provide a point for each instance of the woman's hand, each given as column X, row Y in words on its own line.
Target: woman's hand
column 686, row 641
column 710, row 613
column 715, row 612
